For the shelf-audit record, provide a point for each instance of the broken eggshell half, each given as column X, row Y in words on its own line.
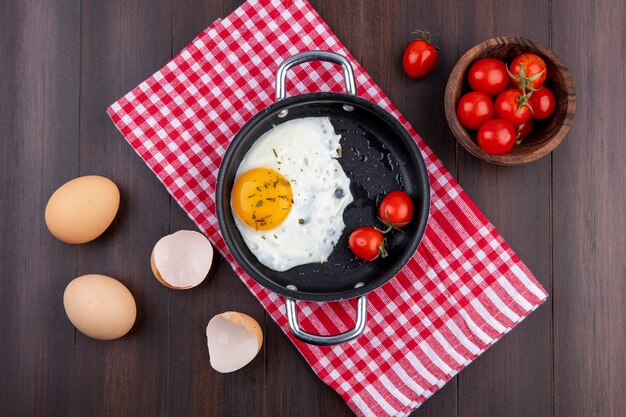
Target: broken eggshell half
column 182, row 260
column 234, row 339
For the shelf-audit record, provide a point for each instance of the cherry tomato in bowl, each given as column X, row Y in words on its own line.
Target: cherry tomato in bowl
column 543, row 103
column 396, row 209
column 489, row 76
column 474, row 109
column 512, row 105
column 367, row 243
column 496, row 136
column 528, row 71
column 524, row 130
column 420, row 57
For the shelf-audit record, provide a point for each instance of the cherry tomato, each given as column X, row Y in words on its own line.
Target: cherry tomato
column 524, row 129
column 528, row 70
column 543, row 103
column 420, row 57
column 489, row 76
column 396, row 209
column 496, row 136
column 474, row 109
column 367, row 243
column 511, row 105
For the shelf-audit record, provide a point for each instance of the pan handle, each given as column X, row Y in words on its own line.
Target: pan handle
column 320, row 340
column 281, row 74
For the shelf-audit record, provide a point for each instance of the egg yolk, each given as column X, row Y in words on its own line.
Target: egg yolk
column 262, row 198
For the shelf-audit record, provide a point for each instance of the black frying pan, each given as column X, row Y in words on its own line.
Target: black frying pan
column 378, row 156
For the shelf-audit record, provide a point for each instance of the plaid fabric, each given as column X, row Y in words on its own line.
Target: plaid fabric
column 463, row 289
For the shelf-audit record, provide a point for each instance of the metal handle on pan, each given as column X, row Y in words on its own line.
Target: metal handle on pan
column 281, row 74
column 321, row 340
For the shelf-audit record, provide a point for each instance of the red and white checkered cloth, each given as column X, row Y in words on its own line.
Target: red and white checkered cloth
column 463, row 289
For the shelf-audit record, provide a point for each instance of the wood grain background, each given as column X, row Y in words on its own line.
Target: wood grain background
column 63, row 62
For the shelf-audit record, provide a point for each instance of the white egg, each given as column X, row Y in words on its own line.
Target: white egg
column 304, row 151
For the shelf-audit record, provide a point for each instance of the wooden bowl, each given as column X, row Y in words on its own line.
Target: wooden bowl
column 546, row 134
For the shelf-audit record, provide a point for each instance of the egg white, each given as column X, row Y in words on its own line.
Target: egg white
column 304, row 151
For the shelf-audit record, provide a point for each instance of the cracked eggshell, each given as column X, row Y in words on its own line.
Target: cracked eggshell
column 233, row 339
column 182, row 260
column 101, row 307
column 82, row 209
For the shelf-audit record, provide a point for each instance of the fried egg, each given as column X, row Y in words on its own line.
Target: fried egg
column 290, row 193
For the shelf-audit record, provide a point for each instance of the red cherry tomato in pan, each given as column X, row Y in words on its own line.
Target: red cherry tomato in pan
column 420, row 57
column 512, row 106
column 474, row 109
column 489, row 76
column 543, row 103
column 396, row 209
column 496, row 136
column 528, row 70
column 367, row 243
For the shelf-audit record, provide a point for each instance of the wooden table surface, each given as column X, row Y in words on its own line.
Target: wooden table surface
column 63, row 62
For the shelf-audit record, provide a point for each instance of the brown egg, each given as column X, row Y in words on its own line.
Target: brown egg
column 82, row 209
column 101, row 307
